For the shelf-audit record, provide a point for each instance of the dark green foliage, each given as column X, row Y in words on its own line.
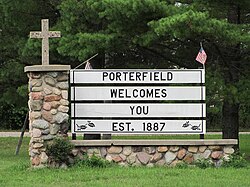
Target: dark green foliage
column 236, row 160
column 59, row 150
column 93, row 162
column 204, row 163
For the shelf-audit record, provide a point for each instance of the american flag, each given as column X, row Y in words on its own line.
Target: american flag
column 202, row 56
column 88, row 65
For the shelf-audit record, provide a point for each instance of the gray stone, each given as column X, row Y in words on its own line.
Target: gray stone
column 35, row 115
column 137, row 149
column 197, row 156
column 47, row 90
column 218, row 163
column 43, row 158
column 65, row 94
column 150, row 150
column 189, row 158
column 181, row 153
column 37, row 89
column 93, row 151
column 206, row 154
column 174, row 148
column 56, row 91
column 131, row 158
column 35, row 105
column 103, row 152
column 127, row 150
column 37, row 145
column 74, row 152
column 36, row 133
column 114, row 150
column 169, row 157
column 49, row 80
column 109, row 158
column 64, row 102
column 63, row 85
column 123, row 157
column 143, row 157
column 64, row 166
column 53, row 111
column 150, row 165
column 40, row 124
column 228, row 150
column 62, row 108
column 62, row 77
column 215, row 148
column 36, row 82
column 61, row 117
column 161, row 162
column 45, row 132
column 54, row 128
column 53, row 74
column 47, row 137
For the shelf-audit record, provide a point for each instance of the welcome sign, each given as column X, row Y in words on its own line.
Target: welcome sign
column 138, row 101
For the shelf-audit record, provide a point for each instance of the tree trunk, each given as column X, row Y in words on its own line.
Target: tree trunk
column 230, row 109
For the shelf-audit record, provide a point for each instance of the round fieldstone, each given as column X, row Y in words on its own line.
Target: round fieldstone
column 181, row 153
column 53, row 111
column 56, row 91
column 161, row 162
column 192, row 149
column 174, row 148
column 116, row 158
column 150, row 150
column 46, row 106
column 36, row 82
column 65, row 94
column 36, row 133
column 64, row 102
column 44, row 158
column 197, row 156
column 189, row 158
column 156, row 157
column 53, row 74
column 74, row 152
column 47, row 116
column 36, row 95
column 34, row 75
column 127, row 150
column 47, row 137
column 62, row 108
column 162, row 149
column 131, row 158
column 35, row 115
column 54, row 128
column 228, row 150
column 215, row 148
column 202, row 148
column 49, row 80
column 55, row 104
column 63, row 85
column 169, row 157
column 216, row 154
column 35, row 105
column 35, row 161
column 109, row 158
column 61, row 117
column 45, row 132
column 206, row 154
column 143, row 157
column 49, row 98
column 47, row 90
column 114, row 149
column 122, row 156
column 37, row 145
column 62, row 77
column 103, row 152
column 40, row 124
column 37, row 89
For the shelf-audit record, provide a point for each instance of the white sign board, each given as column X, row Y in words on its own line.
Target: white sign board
column 109, row 93
column 133, row 110
column 138, row 97
column 137, row 76
column 139, row 126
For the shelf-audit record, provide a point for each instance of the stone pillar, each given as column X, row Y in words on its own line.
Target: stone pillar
column 48, row 108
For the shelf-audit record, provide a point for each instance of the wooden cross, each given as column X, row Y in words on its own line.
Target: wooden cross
column 45, row 35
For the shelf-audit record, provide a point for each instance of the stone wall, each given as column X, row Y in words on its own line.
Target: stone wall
column 48, row 108
column 167, row 155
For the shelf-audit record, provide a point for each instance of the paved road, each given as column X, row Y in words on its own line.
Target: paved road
column 26, row 134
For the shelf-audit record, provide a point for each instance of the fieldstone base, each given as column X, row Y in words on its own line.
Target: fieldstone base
column 155, row 153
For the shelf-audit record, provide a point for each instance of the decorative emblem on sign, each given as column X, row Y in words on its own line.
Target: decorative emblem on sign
column 85, row 126
column 193, row 127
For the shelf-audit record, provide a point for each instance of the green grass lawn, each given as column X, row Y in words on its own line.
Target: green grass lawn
column 15, row 171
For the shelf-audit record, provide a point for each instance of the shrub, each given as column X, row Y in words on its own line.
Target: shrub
column 204, row 163
column 235, row 160
column 93, row 161
column 59, row 150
